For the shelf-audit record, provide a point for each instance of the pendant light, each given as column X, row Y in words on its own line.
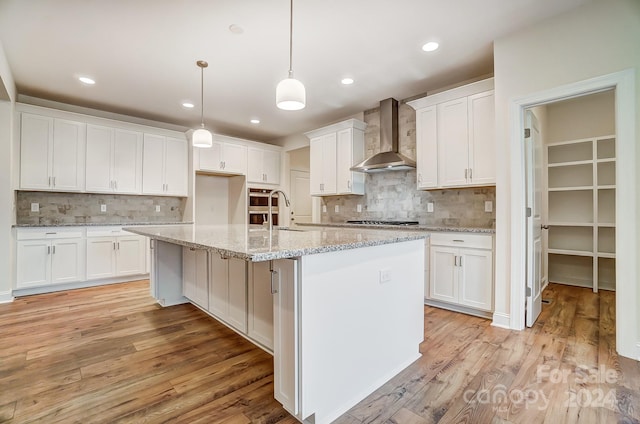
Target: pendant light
column 290, row 93
column 202, row 137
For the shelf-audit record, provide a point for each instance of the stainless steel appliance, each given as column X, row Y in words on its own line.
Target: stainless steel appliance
column 258, row 205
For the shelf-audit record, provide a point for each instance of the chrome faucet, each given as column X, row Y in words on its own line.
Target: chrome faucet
column 270, row 214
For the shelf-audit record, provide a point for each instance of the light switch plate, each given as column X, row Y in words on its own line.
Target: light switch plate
column 359, row 208
column 324, row 208
column 35, row 207
column 336, row 208
column 103, row 208
column 385, row 275
column 488, row 206
column 157, row 208
column 430, row 207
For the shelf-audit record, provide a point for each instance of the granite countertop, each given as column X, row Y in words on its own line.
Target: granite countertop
column 255, row 243
column 98, row 224
column 426, row 228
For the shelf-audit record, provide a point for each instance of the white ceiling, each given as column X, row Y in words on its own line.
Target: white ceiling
column 143, row 54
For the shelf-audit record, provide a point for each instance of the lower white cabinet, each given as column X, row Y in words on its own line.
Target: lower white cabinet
column 461, row 269
column 112, row 255
column 49, row 257
column 195, row 276
column 228, row 290
column 260, row 307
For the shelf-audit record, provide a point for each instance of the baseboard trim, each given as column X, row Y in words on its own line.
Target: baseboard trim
column 638, row 351
column 77, row 285
column 501, row 320
column 6, row 297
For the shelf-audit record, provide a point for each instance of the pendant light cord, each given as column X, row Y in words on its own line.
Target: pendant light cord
column 201, row 96
column 291, row 41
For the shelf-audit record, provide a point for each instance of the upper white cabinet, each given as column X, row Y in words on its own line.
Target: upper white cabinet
column 114, row 160
column 223, row 157
column 457, row 127
column 164, row 166
column 263, row 166
column 51, row 153
column 334, row 150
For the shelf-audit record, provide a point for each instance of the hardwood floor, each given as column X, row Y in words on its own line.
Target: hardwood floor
column 111, row 355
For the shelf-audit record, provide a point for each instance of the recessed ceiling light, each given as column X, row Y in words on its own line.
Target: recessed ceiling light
column 188, row 105
column 347, row 81
column 255, row 121
column 86, row 80
column 236, row 29
column 430, row 46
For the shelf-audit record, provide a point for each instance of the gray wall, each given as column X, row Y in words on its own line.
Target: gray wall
column 393, row 195
column 84, row 208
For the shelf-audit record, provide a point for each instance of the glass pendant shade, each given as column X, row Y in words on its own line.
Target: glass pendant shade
column 290, row 94
column 202, row 138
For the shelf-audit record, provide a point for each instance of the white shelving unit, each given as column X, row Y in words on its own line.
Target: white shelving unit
column 581, row 212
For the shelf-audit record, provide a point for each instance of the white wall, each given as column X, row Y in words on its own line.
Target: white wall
column 582, row 117
column 597, row 39
column 211, row 200
column 7, row 196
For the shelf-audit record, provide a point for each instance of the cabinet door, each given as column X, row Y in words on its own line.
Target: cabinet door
column 127, row 162
column 482, row 145
column 68, row 155
column 36, row 139
column 443, row 281
column 33, row 263
column 130, row 255
column 271, row 166
column 237, row 278
column 453, row 143
column 67, row 261
column 349, row 152
column 176, row 167
column 427, row 147
column 153, row 164
column 195, row 276
column 101, row 257
column 329, row 153
column 219, row 286
column 234, row 157
column 476, row 278
column 260, row 308
column 316, row 174
column 211, row 157
column 255, row 173
column 99, row 159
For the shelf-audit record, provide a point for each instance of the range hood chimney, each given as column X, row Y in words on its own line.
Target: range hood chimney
column 388, row 159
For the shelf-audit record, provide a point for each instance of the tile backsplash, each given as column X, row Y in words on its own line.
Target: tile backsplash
column 84, row 208
column 393, row 195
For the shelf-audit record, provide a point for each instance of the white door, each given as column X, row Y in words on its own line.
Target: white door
column 99, row 159
column 153, row 164
column 66, row 261
column 271, row 166
column 210, row 157
column 219, row 286
column 316, row 164
column 36, row 139
column 329, row 157
column 130, row 255
column 68, row 155
column 443, row 281
column 260, row 304
column 101, row 257
column 127, row 162
column 255, row 166
column 33, row 259
column 533, row 159
column 475, row 278
column 234, row 158
column 176, row 167
column 482, row 141
column 300, row 197
column 237, row 281
column 427, row 147
column 453, row 143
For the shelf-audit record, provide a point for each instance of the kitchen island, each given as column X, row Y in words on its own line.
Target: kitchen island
column 347, row 303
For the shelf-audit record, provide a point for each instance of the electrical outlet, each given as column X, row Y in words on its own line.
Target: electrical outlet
column 385, row 275
column 35, row 207
column 336, row 208
column 157, row 208
column 488, row 206
column 359, row 208
column 103, row 208
column 324, row 208
column 430, row 207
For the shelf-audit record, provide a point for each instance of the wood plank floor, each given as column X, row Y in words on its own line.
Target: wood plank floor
column 111, row 355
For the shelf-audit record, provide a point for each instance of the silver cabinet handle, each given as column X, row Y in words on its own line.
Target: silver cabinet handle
column 274, row 273
column 466, row 173
column 221, row 166
column 460, row 261
column 49, row 184
column 54, row 249
column 470, row 174
column 114, row 245
column 419, row 178
column 459, row 241
column 48, row 250
column 349, row 184
column 54, row 181
column 118, row 243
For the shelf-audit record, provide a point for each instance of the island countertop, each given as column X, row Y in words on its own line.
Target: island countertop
column 256, row 243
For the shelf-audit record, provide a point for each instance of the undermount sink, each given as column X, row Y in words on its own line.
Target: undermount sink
column 289, row 229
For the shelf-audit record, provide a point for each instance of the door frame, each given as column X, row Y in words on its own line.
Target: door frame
column 627, row 316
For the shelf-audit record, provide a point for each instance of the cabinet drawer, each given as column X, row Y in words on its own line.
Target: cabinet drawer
column 48, row 233
column 106, row 232
column 476, row 241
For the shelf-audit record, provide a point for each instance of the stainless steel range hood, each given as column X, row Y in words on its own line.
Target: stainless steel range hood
column 388, row 159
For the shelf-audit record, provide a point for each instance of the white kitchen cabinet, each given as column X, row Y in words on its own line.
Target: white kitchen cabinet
column 455, row 137
column 114, row 253
column 164, row 166
column 49, row 257
column 195, row 276
column 323, row 166
column 461, row 270
column 334, row 150
column 51, row 153
column 228, row 290
column 114, row 160
column 260, row 307
column 263, row 166
column 224, row 158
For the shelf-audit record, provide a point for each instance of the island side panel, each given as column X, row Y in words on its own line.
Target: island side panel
column 166, row 273
column 362, row 321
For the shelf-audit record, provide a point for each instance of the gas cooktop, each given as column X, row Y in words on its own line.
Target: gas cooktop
column 375, row 222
